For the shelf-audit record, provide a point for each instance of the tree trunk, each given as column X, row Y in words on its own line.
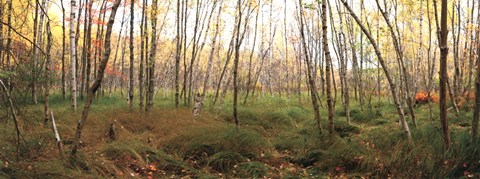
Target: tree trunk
column 311, row 81
column 9, row 37
column 185, row 52
column 47, row 72
column 73, row 54
column 209, row 63
column 249, row 77
column 151, row 63
column 89, row 47
column 64, row 44
column 386, row 70
column 443, row 73
column 130, row 91
column 141, row 75
column 98, row 80
column 178, row 53
column 36, row 54
column 403, row 71
column 235, row 65
column 1, row 33
column 328, row 61
column 84, row 53
column 476, row 112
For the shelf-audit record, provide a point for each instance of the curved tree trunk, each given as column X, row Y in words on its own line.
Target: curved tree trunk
column 93, row 89
column 311, row 81
column 393, row 88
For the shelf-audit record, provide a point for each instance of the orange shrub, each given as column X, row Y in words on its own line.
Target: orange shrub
column 423, row 98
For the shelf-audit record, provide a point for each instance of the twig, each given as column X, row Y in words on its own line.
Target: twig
column 3, row 155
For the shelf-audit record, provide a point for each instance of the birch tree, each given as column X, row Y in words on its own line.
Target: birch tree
column 73, row 55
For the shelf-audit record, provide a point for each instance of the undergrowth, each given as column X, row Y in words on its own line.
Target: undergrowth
column 278, row 137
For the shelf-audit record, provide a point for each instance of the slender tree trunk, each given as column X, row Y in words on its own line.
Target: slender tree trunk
column 130, row 91
column 227, row 61
column 47, row 72
column 64, row 51
column 36, row 54
column 235, row 65
column 249, row 78
column 93, row 89
column 151, row 63
column 73, row 54
column 84, row 53
column 9, row 39
column 311, row 81
column 403, row 71
column 2, row 7
column 77, row 37
column 115, row 77
column 141, row 75
column 476, row 112
column 420, row 48
column 185, row 18
column 178, row 53
column 443, row 73
column 210, row 61
column 430, row 62
column 386, row 70
column 89, row 47
column 122, row 65
column 328, row 61
column 471, row 56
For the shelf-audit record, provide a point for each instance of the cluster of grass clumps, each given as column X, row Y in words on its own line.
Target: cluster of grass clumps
column 298, row 113
column 365, row 115
column 252, row 170
column 269, row 118
column 218, row 147
column 224, row 161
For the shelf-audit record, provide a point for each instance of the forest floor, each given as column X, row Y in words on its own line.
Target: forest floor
column 278, row 138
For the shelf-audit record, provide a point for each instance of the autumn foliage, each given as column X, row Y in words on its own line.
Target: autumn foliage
column 423, row 98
